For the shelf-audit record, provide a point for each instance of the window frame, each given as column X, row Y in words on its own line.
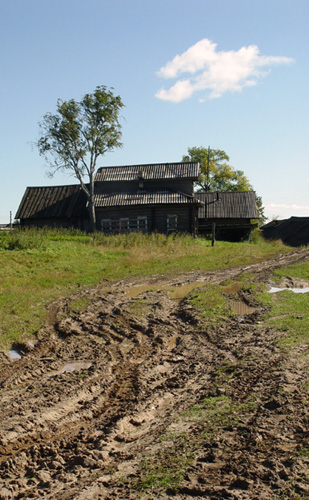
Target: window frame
column 123, row 229
column 170, row 217
column 143, row 218
column 109, row 222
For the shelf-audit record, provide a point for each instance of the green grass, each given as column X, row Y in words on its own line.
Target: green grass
column 294, row 271
column 39, row 266
column 217, row 411
column 167, row 469
column 288, row 312
column 76, row 306
column 212, row 303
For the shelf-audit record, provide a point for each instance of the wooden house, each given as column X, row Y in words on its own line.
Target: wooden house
column 157, row 197
column 152, row 197
column 234, row 214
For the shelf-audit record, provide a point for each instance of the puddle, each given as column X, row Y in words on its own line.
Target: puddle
column 14, row 354
column 133, row 292
column 274, row 289
column 32, row 343
column 172, row 342
column 232, row 288
column 241, row 308
column 175, row 292
column 71, row 367
column 180, row 292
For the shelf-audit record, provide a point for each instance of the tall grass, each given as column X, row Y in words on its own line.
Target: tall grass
column 38, row 266
column 22, row 240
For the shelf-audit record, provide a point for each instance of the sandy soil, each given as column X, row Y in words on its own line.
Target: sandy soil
column 109, row 391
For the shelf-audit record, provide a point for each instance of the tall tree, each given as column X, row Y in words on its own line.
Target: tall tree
column 217, row 175
column 78, row 134
column 215, row 172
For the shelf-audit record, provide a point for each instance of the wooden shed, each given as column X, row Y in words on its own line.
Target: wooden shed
column 234, row 214
column 54, row 206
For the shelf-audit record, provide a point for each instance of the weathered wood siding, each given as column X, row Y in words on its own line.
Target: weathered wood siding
column 75, row 223
column 156, row 217
column 227, row 229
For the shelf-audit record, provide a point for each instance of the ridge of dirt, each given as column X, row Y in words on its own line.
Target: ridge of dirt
column 145, row 370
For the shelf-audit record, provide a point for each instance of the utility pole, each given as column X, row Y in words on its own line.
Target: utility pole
column 208, row 155
column 11, row 225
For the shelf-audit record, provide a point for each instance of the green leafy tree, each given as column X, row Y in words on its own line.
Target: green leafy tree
column 260, row 208
column 78, row 134
column 215, row 172
column 217, row 175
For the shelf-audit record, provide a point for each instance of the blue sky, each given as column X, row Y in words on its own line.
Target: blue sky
column 232, row 74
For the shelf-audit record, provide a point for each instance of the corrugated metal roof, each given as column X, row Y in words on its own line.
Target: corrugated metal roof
column 148, row 172
column 158, row 197
column 233, row 205
column 52, row 201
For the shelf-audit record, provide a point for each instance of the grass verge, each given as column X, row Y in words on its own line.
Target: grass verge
column 288, row 312
column 39, row 266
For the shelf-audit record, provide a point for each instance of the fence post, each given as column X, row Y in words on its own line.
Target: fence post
column 213, row 234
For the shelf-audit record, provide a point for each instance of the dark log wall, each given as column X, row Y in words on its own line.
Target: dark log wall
column 225, row 222
column 227, row 229
column 156, row 217
column 73, row 222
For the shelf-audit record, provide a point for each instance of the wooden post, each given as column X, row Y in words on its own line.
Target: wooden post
column 207, row 176
column 213, row 234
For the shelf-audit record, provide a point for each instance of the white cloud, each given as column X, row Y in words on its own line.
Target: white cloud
column 275, row 206
column 285, row 210
column 215, row 71
column 180, row 91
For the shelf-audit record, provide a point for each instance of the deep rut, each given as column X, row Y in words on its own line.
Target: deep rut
column 141, row 365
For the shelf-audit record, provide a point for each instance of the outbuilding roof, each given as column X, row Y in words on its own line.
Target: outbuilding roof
column 52, row 201
column 228, row 205
column 153, row 171
column 142, row 197
column 293, row 231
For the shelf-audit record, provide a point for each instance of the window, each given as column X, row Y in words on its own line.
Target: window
column 171, row 223
column 142, row 223
column 124, row 225
column 106, row 225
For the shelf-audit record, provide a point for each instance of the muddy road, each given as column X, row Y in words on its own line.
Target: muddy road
column 129, row 395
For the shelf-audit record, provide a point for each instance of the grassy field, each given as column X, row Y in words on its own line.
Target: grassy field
column 39, row 266
column 289, row 312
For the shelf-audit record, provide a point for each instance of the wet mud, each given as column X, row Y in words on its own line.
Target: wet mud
column 103, row 392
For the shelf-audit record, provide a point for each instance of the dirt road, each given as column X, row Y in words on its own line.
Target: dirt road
column 135, row 398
